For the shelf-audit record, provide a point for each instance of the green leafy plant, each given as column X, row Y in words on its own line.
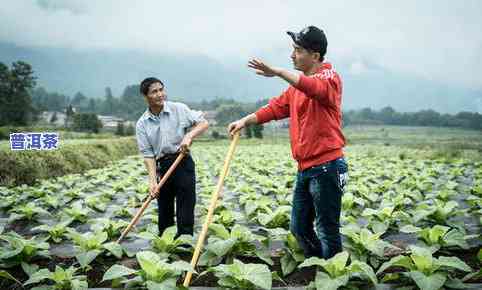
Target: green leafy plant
column 91, row 244
column 379, row 220
column 427, row 272
column 364, row 245
column 350, row 202
column 77, row 212
column 27, row 211
column 438, row 213
column 19, row 249
column 438, row 236
column 243, row 276
column 62, row 279
column 227, row 217
column 337, row 273
column 72, row 194
column 258, row 205
column 55, row 232
column 52, row 200
column 368, row 195
column 112, row 227
column 121, row 211
column 225, row 244
column 155, row 273
column 8, row 201
column 293, row 255
column 167, row 244
column 96, row 202
column 279, row 218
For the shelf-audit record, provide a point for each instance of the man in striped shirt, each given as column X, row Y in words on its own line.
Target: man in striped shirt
column 162, row 132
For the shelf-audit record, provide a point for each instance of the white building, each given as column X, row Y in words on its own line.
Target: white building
column 46, row 117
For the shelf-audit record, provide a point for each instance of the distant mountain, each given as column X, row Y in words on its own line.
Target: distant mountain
column 198, row 77
column 379, row 88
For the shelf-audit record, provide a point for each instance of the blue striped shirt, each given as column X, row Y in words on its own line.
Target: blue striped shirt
column 162, row 134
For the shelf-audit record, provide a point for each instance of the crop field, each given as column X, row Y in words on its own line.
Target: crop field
column 410, row 219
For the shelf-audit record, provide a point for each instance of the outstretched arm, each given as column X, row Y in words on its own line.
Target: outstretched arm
column 266, row 70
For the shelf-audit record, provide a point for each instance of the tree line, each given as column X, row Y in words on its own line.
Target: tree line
column 388, row 116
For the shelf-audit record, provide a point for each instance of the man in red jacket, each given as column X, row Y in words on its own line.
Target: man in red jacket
column 313, row 104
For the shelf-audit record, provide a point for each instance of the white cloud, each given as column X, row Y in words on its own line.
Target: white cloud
column 440, row 40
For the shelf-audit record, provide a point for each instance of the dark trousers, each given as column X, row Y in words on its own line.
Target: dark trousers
column 180, row 188
column 317, row 204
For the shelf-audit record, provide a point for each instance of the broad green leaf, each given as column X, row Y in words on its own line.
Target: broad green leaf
column 208, row 258
column 182, row 266
column 379, row 227
column 219, row 231
column 456, row 238
column 148, row 261
column 257, row 274
column 169, row 284
column 117, row 271
column 455, row 283
column 114, row 248
column 453, row 262
column 288, row 264
column 38, row 276
column 369, row 212
column 365, row 270
column 431, row 282
column 313, row 261
column 29, row 269
column 292, row 242
column 324, row 282
column 433, row 235
column 239, row 232
column 86, row 258
column 410, row 229
column 264, row 255
column 221, row 247
column 422, row 258
column 336, row 266
column 400, row 261
column 169, row 234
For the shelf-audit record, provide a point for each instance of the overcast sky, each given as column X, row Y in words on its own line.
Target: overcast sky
column 437, row 40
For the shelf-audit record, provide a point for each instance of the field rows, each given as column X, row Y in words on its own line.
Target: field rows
column 406, row 221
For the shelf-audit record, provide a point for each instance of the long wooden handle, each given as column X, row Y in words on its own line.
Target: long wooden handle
column 212, row 206
column 150, row 198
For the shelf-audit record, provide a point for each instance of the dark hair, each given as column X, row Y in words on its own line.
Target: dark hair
column 322, row 54
column 146, row 83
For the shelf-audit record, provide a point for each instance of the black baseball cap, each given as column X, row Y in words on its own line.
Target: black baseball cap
column 311, row 38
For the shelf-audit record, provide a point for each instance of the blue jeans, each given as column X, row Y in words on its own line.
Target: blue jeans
column 317, row 199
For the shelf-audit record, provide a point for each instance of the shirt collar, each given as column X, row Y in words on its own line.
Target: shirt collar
column 165, row 109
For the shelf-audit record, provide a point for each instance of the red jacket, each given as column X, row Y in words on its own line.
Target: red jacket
column 314, row 108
